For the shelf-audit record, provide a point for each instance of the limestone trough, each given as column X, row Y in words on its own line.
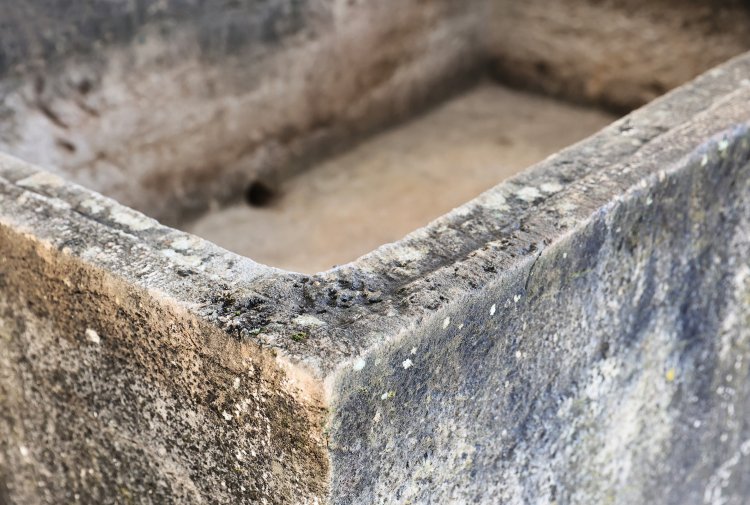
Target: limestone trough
column 578, row 333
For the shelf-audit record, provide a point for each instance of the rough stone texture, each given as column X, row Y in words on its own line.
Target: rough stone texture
column 629, row 247
column 113, row 392
column 577, row 334
column 611, row 368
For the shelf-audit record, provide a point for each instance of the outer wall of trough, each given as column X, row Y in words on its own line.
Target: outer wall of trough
column 113, row 391
column 611, row 368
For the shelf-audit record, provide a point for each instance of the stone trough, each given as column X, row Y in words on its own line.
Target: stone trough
column 579, row 333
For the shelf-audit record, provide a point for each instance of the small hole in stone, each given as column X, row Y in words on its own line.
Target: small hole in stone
column 603, row 349
column 542, row 68
column 84, row 87
column 66, row 145
column 259, row 194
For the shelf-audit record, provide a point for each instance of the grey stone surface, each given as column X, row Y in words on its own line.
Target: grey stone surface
column 577, row 334
column 609, row 368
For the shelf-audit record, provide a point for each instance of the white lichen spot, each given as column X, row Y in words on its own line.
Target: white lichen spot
column 704, row 160
column 493, row 309
column 308, row 320
column 236, row 383
column 696, row 423
column 407, row 364
column 528, row 194
column 359, row 364
column 493, row 200
column 227, row 416
column 92, row 336
column 387, row 395
column 376, row 418
column 565, row 255
column 723, row 145
column 408, row 254
column 566, row 207
column 446, row 322
column 461, row 326
column 182, row 259
column 131, row 219
column 413, row 350
column 40, row 180
column 516, row 298
column 518, row 355
column 92, row 205
column 23, row 450
column 186, row 242
column 551, row 187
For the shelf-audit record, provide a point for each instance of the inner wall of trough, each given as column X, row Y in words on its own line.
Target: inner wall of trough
column 172, row 108
column 618, row 54
column 346, row 124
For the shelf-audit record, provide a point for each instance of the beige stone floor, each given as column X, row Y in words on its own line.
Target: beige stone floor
column 400, row 179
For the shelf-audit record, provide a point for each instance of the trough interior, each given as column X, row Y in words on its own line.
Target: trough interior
column 398, row 180
column 305, row 134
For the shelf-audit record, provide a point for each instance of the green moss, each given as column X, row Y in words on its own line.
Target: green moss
column 299, row 336
column 125, row 494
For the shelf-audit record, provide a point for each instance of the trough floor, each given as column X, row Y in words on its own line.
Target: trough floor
column 401, row 179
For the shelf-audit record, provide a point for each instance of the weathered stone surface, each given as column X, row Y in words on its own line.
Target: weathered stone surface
column 112, row 394
column 173, row 106
column 577, row 334
column 610, row 367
